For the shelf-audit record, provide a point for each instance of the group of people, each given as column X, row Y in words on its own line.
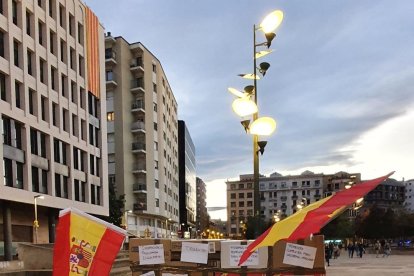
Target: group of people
column 333, row 250
column 384, row 246
column 359, row 248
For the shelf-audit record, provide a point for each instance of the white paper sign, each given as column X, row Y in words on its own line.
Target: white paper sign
column 151, row 254
column 299, row 255
column 151, row 273
column 235, row 253
column 194, row 252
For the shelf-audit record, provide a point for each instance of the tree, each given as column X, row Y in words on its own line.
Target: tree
column 339, row 228
column 255, row 226
column 116, row 206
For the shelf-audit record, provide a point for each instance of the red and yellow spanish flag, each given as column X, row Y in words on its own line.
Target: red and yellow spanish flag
column 85, row 245
column 312, row 218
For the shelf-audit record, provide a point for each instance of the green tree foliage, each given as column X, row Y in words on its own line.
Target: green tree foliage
column 339, row 228
column 255, row 226
column 116, row 206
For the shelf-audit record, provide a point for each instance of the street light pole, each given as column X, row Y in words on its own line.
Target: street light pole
column 36, row 222
column 256, row 193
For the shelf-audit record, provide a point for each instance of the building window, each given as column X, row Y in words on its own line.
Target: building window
column 14, row 12
column 71, row 25
column 30, row 57
column 1, row 44
column 53, row 77
column 63, row 50
column 52, row 42
column 17, row 87
column 62, row 16
column 80, row 33
column 42, row 70
column 35, row 179
column 16, row 46
column 154, row 87
column 32, row 102
column 72, row 56
column 28, row 23
column 52, row 7
column 3, row 92
column 154, row 68
column 41, row 33
column 110, row 116
column 155, row 126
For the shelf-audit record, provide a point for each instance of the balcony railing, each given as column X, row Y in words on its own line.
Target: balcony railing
column 137, row 84
column 139, row 167
column 138, row 146
column 138, row 105
column 110, row 55
column 138, row 126
column 294, row 197
column 140, row 206
column 283, row 198
column 139, row 187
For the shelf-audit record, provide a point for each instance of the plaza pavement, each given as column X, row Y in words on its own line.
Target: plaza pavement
column 369, row 265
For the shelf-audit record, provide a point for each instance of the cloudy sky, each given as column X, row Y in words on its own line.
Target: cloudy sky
column 340, row 85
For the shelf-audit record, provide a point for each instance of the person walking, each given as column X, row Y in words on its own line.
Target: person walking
column 351, row 249
column 360, row 249
column 387, row 250
column 327, row 254
column 377, row 248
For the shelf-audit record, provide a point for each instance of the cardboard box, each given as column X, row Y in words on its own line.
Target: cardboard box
column 135, row 243
column 228, row 255
column 316, row 241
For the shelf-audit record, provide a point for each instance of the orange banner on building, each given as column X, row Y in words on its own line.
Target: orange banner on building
column 85, row 245
column 92, row 51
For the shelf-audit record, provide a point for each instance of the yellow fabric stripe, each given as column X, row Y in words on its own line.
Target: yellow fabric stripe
column 285, row 228
column 87, row 234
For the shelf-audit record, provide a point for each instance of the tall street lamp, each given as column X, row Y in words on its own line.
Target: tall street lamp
column 244, row 106
column 36, row 222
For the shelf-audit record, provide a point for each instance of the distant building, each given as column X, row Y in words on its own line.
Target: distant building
column 142, row 138
column 202, row 217
column 280, row 196
column 389, row 194
column 186, row 179
column 409, row 195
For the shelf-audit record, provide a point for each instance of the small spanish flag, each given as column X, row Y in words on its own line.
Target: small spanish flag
column 312, row 218
column 85, row 245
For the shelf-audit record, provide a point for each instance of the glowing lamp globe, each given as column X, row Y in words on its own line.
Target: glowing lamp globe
column 272, row 21
column 244, row 107
column 263, row 126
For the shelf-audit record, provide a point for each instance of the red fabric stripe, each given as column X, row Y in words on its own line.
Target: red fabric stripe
column 318, row 218
column 106, row 252
column 246, row 254
column 61, row 249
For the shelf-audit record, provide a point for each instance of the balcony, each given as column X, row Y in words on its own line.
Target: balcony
column 110, row 58
column 283, row 198
column 137, row 66
column 318, row 196
column 140, row 206
column 137, row 86
column 294, row 197
column 111, row 81
column 138, row 147
column 139, row 168
column 138, row 106
column 139, row 188
column 138, row 127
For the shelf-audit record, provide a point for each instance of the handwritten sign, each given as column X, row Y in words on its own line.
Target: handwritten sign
column 299, row 255
column 151, row 254
column 235, row 253
column 151, row 273
column 194, row 252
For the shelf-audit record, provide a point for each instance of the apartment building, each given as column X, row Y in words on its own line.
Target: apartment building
column 389, row 194
column 409, row 195
column 280, row 195
column 202, row 217
column 142, row 138
column 54, row 143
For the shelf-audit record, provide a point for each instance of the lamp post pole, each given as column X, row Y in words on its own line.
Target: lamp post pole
column 256, row 193
column 36, row 222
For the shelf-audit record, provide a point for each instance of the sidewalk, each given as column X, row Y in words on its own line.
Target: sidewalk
column 369, row 265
